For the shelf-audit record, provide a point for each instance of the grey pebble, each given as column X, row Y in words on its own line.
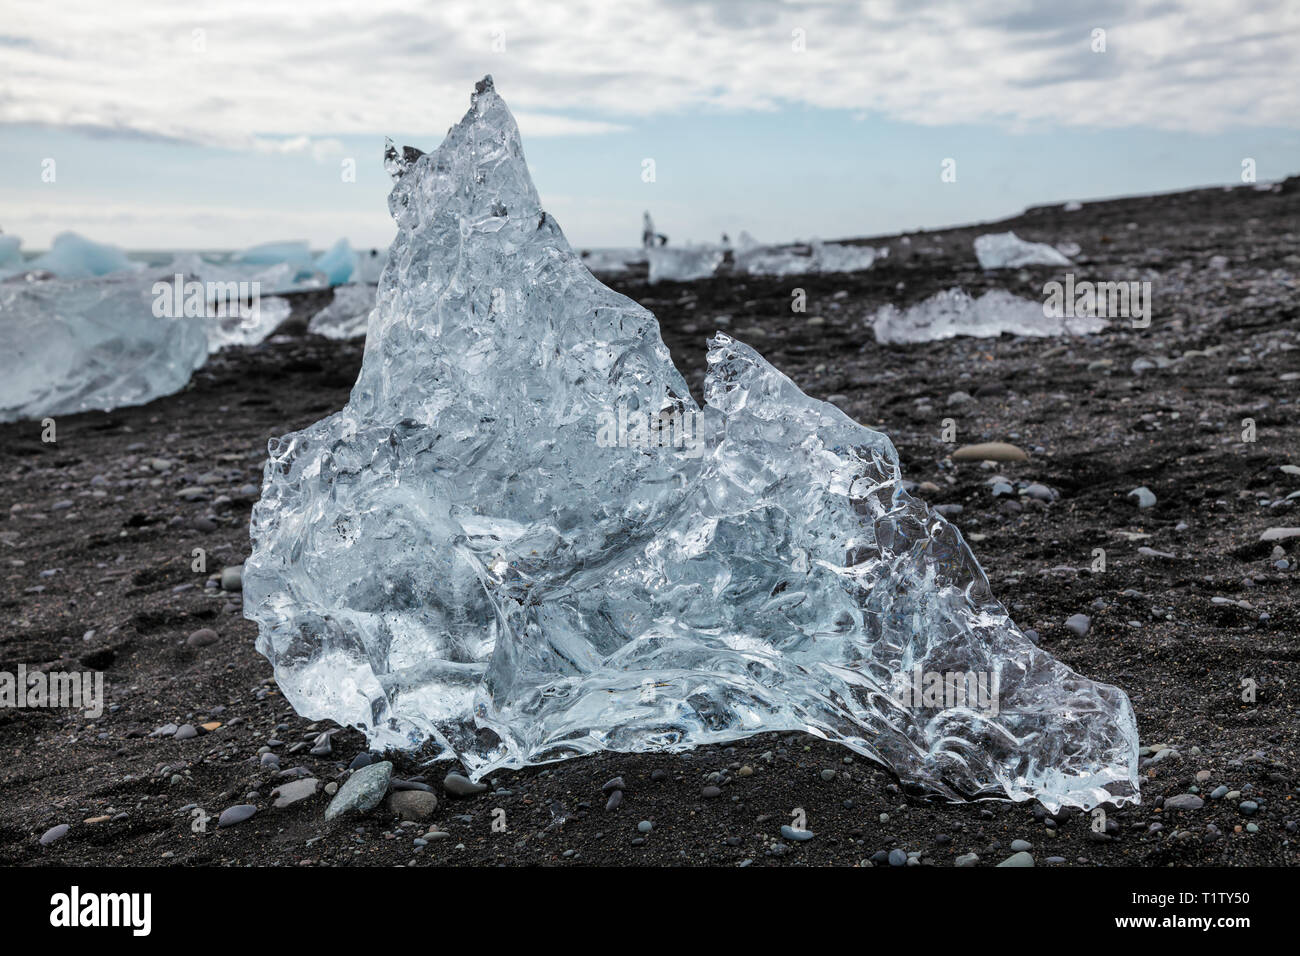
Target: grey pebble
column 1078, row 623
column 1018, row 859
column 54, row 834
column 236, row 814
column 459, row 785
column 362, row 791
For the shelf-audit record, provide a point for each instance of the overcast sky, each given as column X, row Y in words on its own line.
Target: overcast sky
column 218, row 125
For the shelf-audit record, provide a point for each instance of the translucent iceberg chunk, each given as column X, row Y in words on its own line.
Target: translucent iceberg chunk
column 347, row 315
column 370, row 266
column 248, row 326
column 822, row 257
column 11, row 255
column 74, row 257
column 1006, row 250
column 684, row 263
column 952, row 313
column 612, row 260
column 522, row 540
column 270, row 277
column 81, row 344
column 338, row 263
column 296, row 255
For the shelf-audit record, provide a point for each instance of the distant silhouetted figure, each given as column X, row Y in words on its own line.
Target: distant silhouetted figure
column 647, row 231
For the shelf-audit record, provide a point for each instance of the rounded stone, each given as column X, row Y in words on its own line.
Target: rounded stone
column 412, row 804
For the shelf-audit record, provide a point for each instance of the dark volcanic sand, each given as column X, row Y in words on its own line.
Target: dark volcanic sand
column 124, row 598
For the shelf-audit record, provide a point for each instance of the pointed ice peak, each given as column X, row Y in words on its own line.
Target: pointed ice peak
column 504, row 547
column 396, row 164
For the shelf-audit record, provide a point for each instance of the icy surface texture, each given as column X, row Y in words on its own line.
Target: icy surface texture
column 74, row 257
column 347, row 316
column 80, row 344
column 483, row 548
column 952, row 313
column 1006, row 250
column 683, row 264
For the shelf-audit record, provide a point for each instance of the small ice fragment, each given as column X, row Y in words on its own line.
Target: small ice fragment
column 249, row 325
column 1006, row 250
column 347, row 315
column 952, row 313
column 682, row 264
column 755, row 259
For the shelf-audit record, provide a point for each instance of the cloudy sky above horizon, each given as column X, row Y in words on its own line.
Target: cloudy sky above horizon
column 218, row 125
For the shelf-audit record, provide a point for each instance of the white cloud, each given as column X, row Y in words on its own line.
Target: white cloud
column 258, row 75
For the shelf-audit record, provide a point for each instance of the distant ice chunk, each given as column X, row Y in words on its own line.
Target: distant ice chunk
column 255, row 326
column 347, row 314
column 755, row 259
column 838, row 257
column 522, row 540
column 11, row 255
column 772, row 261
column 1006, row 250
column 370, row 266
column 952, row 313
column 75, row 257
column 294, row 254
column 683, row 264
column 271, row 278
column 338, row 263
column 612, row 260
column 72, row 345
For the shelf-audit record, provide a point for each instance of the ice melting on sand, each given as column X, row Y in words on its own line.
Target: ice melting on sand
column 347, row 315
column 952, row 313
column 1006, row 250
column 72, row 345
column 474, row 551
